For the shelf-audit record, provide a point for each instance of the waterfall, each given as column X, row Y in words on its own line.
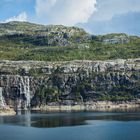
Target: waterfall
column 21, row 92
column 2, row 102
column 25, row 90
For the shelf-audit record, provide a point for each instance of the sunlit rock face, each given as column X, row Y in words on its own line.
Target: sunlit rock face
column 28, row 84
column 41, row 35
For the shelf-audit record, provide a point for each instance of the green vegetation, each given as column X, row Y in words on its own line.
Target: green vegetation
column 94, row 88
column 97, row 51
column 26, row 41
column 48, row 94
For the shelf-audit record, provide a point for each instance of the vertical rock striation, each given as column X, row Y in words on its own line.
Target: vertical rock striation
column 68, row 83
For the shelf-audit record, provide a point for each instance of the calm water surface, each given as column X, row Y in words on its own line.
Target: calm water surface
column 119, row 125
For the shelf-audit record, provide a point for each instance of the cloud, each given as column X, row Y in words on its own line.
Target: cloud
column 107, row 9
column 124, row 23
column 21, row 17
column 115, row 16
column 66, row 12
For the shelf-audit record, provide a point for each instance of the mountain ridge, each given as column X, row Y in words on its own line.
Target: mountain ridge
column 29, row 41
column 65, row 67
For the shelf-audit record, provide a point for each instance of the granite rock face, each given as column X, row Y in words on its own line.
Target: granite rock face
column 29, row 84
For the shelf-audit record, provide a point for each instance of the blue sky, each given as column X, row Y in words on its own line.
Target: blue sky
column 95, row 16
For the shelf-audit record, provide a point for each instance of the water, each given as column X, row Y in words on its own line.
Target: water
column 71, row 126
column 2, row 102
column 25, row 90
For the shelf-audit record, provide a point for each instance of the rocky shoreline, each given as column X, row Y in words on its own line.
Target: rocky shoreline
column 94, row 106
column 7, row 112
column 88, row 106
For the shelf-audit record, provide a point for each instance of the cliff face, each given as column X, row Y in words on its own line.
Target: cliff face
column 28, row 34
column 29, row 84
column 26, row 84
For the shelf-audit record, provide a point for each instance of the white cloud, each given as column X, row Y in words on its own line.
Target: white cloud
column 107, row 9
column 21, row 17
column 66, row 12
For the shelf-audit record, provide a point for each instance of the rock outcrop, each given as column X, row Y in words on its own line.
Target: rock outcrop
column 41, row 35
column 33, row 84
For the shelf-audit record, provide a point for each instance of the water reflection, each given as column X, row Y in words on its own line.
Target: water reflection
column 47, row 120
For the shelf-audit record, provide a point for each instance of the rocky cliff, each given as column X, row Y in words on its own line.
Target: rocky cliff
column 29, row 34
column 58, row 74
column 31, row 84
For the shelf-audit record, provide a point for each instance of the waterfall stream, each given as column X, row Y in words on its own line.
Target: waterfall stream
column 2, row 102
column 25, row 90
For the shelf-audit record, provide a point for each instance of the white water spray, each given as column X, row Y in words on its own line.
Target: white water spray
column 2, row 102
column 25, row 90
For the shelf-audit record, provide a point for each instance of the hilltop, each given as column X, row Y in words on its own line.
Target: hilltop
column 29, row 41
column 58, row 68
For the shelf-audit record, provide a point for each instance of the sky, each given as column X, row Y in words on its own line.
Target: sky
column 95, row 16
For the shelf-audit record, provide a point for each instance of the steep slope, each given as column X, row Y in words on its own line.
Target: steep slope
column 26, row 84
column 28, row 41
column 52, row 80
column 41, row 35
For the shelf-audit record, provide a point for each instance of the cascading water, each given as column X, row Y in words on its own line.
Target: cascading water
column 25, row 90
column 2, row 102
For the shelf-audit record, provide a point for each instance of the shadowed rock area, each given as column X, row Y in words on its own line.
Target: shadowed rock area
column 70, row 85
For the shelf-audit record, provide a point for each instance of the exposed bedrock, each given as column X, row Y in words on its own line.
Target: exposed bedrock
column 30, row 84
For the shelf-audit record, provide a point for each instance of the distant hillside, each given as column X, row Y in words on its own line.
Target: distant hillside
column 28, row 41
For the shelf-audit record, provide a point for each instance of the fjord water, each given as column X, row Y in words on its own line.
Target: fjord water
column 71, row 126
